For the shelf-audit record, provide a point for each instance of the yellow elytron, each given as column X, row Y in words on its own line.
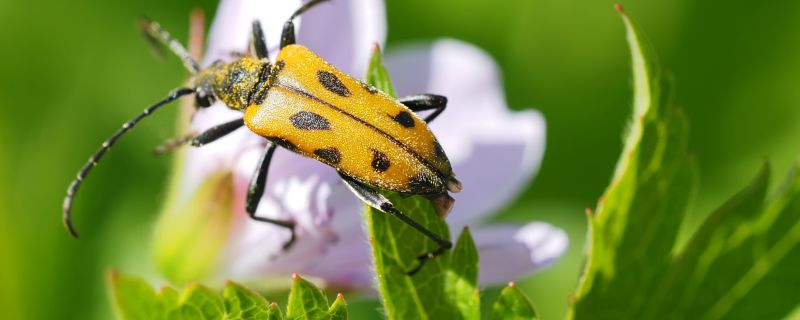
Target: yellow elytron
column 307, row 106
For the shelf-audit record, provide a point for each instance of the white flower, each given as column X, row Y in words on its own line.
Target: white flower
column 494, row 152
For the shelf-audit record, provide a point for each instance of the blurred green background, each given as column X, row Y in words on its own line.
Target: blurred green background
column 73, row 71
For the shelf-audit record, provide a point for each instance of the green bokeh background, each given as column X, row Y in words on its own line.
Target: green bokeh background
column 73, row 71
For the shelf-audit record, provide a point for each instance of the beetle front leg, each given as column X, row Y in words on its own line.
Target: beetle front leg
column 260, row 41
column 378, row 201
column 256, row 190
column 422, row 102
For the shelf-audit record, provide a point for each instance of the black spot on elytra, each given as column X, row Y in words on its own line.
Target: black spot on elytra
column 423, row 184
column 305, row 120
column 380, row 162
column 283, row 143
column 332, row 83
column 404, row 119
column 329, row 155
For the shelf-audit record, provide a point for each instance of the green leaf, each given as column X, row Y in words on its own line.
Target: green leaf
column 742, row 261
column 637, row 219
column 274, row 312
column 186, row 312
column 513, row 304
column 462, row 277
column 338, row 310
column 445, row 287
column 241, row 303
column 306, row 301
column 377, row 75
column 134, row 298
column 168, row 297
column 204, row 300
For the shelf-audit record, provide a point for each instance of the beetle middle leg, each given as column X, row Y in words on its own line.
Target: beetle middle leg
column 422, row 102
column 378, row 201
column 208, row 136
column 216, row 132
column 256, row 190
column 173, row 144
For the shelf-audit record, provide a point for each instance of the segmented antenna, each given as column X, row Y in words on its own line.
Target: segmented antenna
column 73, row 187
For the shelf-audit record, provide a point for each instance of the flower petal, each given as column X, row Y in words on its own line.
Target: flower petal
column 509, row 252
column 343, row 32
column 231, row 30
column 494, row 151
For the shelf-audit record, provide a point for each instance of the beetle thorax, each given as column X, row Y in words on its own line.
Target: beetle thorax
column 238, row 83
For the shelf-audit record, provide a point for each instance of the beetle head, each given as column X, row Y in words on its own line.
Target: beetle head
column 235, row 83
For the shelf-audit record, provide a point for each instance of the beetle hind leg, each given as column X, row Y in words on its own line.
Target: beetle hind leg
column 378, row 201
column 256, row 190
column 422, row 102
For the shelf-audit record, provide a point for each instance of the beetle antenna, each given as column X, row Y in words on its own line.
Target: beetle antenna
column 73, row 187
column 155, row 35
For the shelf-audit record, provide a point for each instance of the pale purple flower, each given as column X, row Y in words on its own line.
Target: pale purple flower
column 494, row 152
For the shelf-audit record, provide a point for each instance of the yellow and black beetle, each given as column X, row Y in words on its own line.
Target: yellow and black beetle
column 307, row 106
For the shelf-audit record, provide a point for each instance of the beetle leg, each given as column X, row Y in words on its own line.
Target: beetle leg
column 422, row 102
column 256, row 189
column 216, row 132
column 172, row 144
column 288, row 35
column 260, row 41
column 156, row 37
column 378, row 201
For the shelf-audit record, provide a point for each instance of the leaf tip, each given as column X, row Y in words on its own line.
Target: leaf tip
column 619, row 8
column 340, row 296
column 511, row 284
column 273, row 306
column 295, row 276
column 589, row 212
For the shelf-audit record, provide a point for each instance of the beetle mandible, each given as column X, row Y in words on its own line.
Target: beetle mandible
column 307, row 106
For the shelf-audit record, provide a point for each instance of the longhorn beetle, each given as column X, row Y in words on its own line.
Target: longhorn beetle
column 305, row 105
